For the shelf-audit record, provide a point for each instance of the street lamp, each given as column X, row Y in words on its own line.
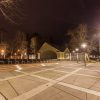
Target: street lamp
column 73, row 55
column 3, row 53
column 73, row 51
column 77, row 53
column 15, row 56
column 84, row 45
column 18, row 50
column 18, row 53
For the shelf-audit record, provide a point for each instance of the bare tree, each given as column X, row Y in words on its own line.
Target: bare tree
column 78, row 36
column 21, row 41
column 19, row 44
column 11, row 9
column 92, row 45
column 12, row 47
column 81, row 31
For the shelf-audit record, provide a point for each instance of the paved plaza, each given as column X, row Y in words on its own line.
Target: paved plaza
column 58, row 80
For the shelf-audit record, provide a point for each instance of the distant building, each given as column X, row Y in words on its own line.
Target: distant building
column 48, row 51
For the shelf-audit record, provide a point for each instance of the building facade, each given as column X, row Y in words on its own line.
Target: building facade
column 48, row 51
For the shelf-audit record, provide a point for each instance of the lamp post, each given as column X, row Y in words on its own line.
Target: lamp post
column 99, row 45
column 15, row 57
column 18, row 54
column 73, row 57
column 84, row 45
column 77, row 54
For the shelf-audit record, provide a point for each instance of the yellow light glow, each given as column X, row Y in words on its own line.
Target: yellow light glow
column 84, row 45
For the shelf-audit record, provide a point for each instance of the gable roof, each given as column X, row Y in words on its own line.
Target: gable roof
column 47, row 46
column 67, row 50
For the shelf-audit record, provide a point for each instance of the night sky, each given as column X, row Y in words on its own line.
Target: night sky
column 52, row 18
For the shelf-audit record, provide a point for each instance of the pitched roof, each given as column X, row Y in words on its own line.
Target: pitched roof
column 47, row 46
column 67, row 50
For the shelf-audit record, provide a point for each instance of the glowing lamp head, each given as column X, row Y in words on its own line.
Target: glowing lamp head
column 76, row 49
column 2, row 51
column 18, row 50
column 84, row 45
column 73, row 51
column 15, row 54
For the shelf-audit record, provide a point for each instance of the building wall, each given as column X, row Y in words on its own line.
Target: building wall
column 49, row 52
column 63, row 56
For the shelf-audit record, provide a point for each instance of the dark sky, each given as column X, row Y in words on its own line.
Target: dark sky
column 52, row 17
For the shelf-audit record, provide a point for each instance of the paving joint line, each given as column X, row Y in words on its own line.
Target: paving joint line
column 33, row 92
column 66, row 92
column 13, row 77
column 94, row 84
column 3, row 97
column 71, row 73
column 80, row 89
column 79, row 74
column 43, row 87
column 13, row 88
column 92, row 70
column 18, row 76
column 53, row 82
